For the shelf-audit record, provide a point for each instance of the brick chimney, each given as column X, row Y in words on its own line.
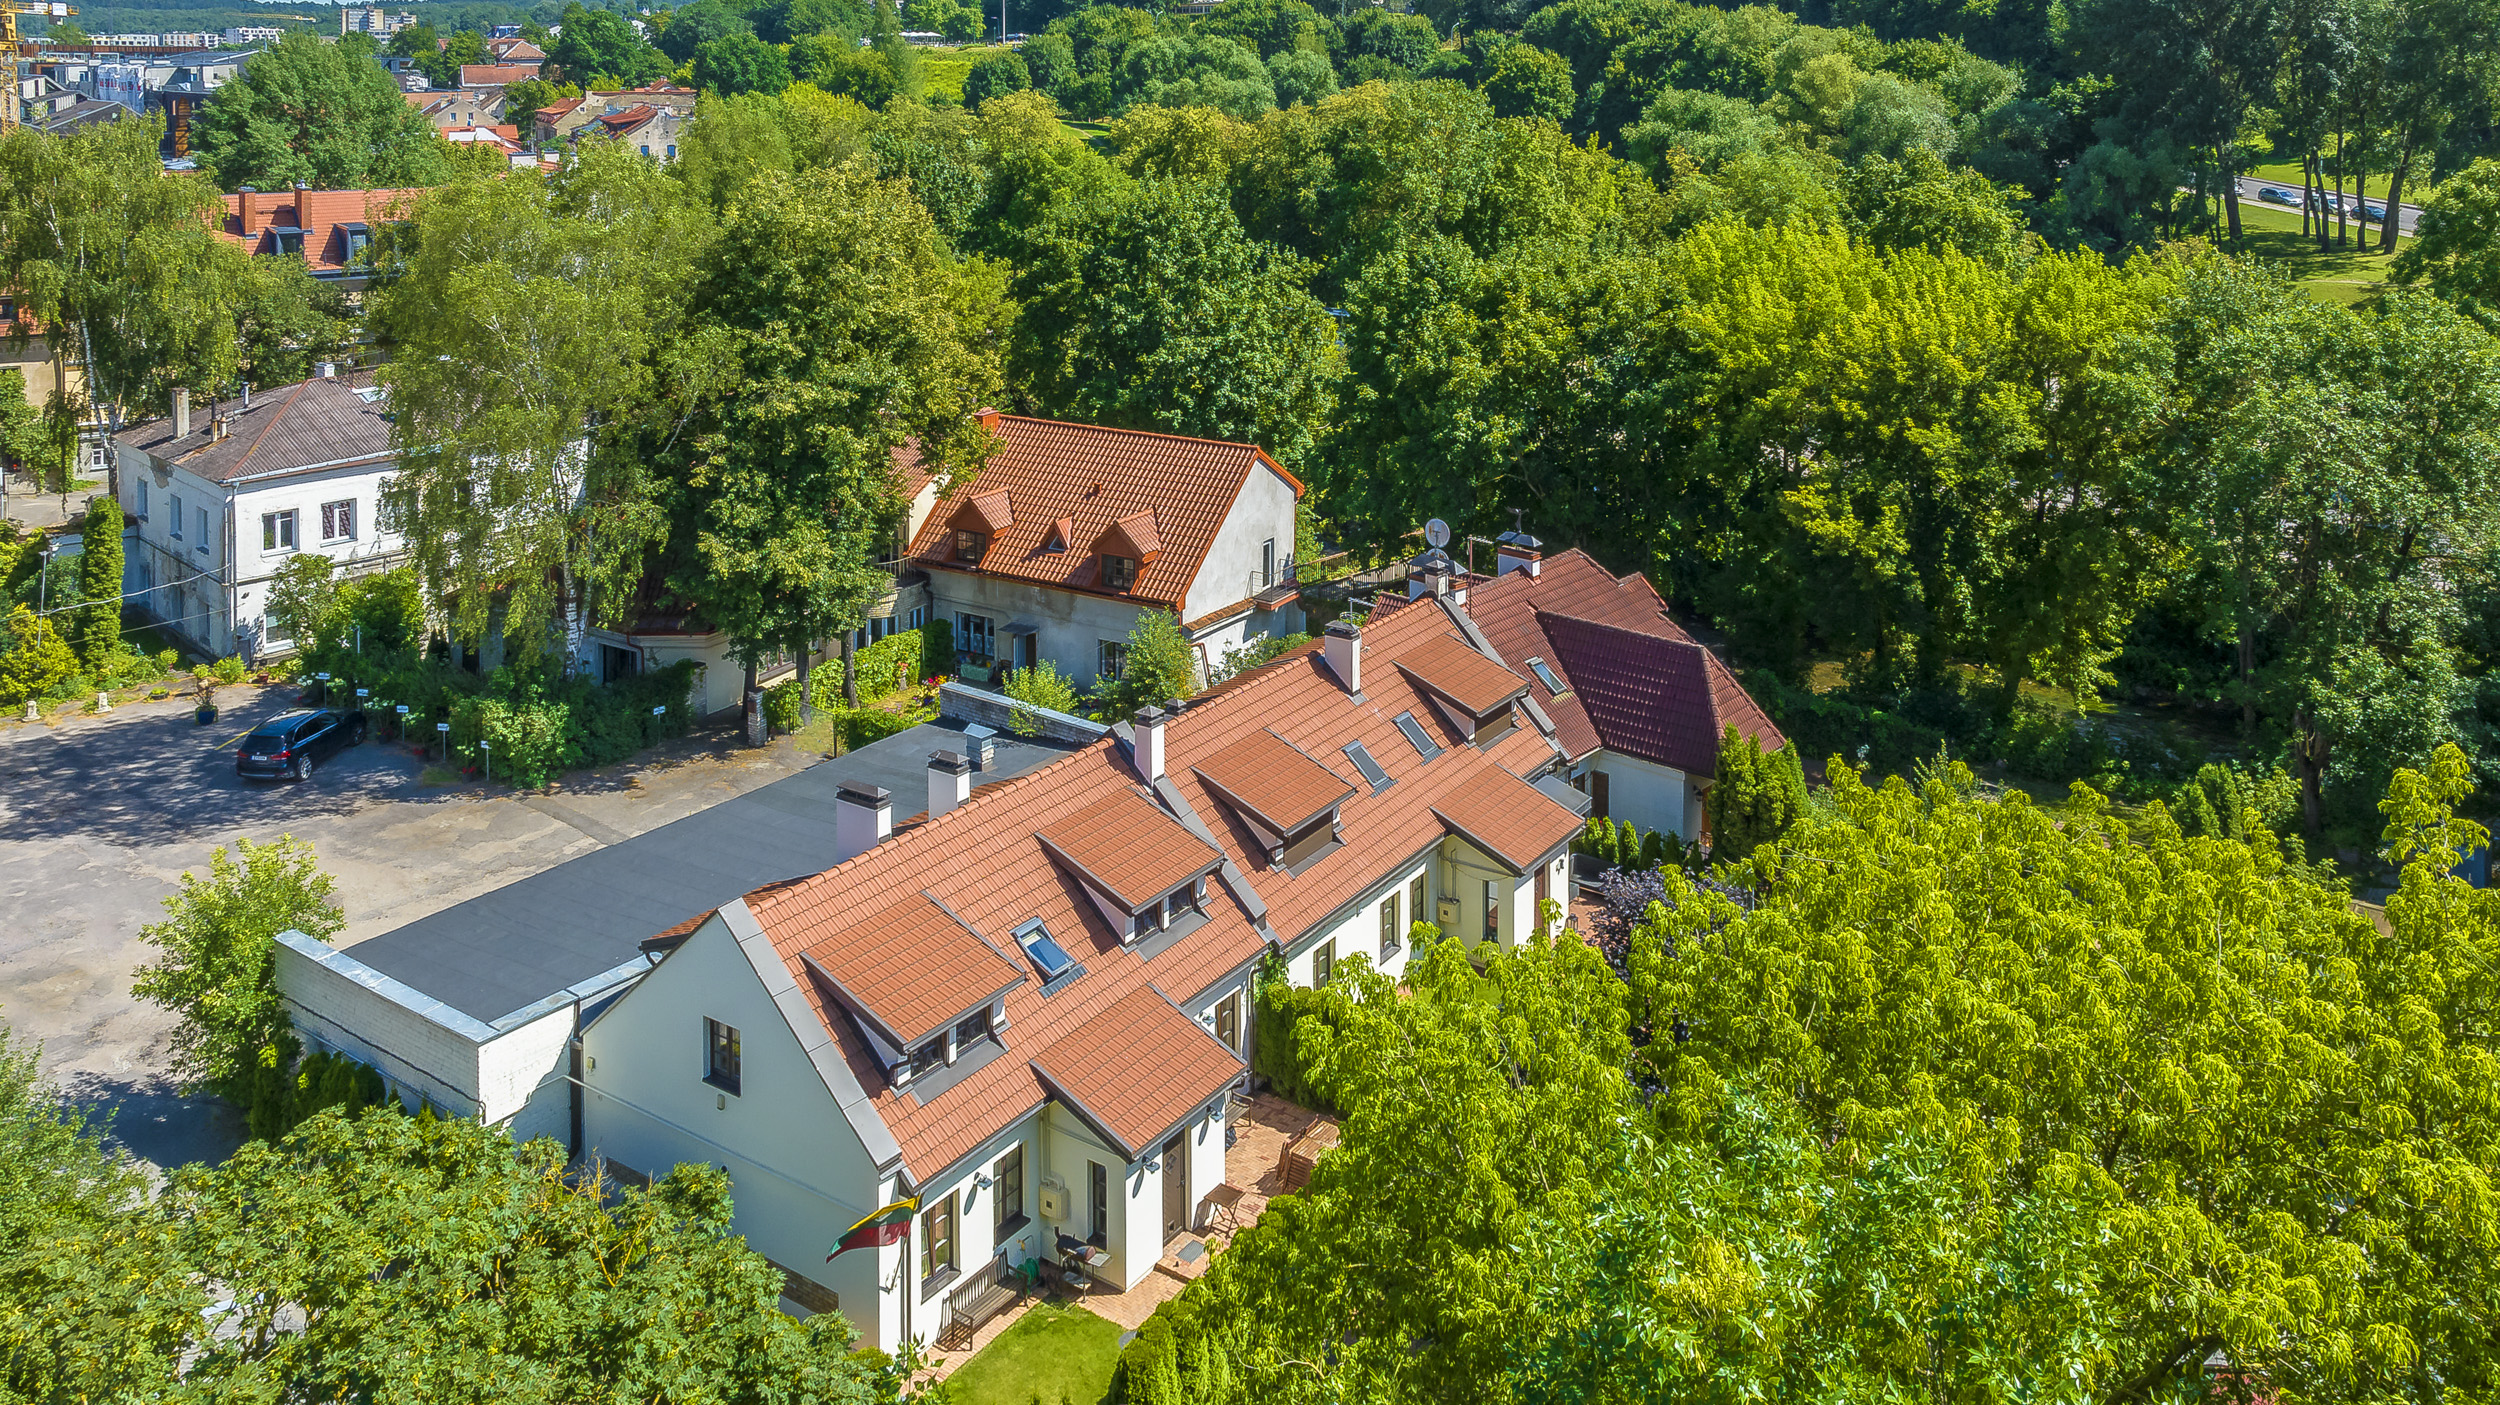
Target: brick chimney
column 247, row 212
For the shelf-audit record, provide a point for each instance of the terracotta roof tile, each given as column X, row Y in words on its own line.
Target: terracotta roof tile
column 991, row 512
column 1662, row 700
column 913, row 968
column 1132, row 536
column 1092, row 476
column 1285, row 788
column 1126, row 843
column 1453, row 668
column 1138, row 1069
column 1509, row 819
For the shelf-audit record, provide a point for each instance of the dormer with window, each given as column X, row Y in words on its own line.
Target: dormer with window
column 1062, row 532
column 1471, row 692
column 1146, row 874
column 1285, row 797
column 976, row 523
column 927, row 993
column 1126, row 547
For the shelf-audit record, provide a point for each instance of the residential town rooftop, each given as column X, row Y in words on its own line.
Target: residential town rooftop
column 324, row 422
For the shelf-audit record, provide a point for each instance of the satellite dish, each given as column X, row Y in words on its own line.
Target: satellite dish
column 1436, row 533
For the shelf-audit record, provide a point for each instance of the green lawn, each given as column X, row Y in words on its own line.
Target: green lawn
column 1052, row 1352
column 944, row 70
column 2348, row 275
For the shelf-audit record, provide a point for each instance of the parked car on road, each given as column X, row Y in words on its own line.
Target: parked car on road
column 293, row 743
column 2373, row 213
column 2275, row 195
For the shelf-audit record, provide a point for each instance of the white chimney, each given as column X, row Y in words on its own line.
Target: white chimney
column 950, row 781
column 1515, row 550
column 863, row 818
column 182, row 412
column 326, row 370
column 1429, row 574
column 1148, row 751
column 1342, row 646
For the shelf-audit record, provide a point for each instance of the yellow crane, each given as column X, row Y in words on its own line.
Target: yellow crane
column 17, row 47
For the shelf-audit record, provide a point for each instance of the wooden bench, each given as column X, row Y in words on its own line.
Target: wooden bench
column 967, row 1310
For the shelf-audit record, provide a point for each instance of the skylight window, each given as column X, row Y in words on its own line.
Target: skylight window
column 1546, row 676
column 1424, row 745
column 1361, row 756
column 1051, row 959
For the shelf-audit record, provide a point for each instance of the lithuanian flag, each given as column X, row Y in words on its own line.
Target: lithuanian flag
column 878, row 1230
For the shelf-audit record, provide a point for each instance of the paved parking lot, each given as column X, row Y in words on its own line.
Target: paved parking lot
column 101, row 815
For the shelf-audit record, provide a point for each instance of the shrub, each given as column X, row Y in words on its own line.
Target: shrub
column 937, row 650
column 536, row 728
column 1277, row 1053
column 37, row 661
column 888, row 666
column 229, row 670
column 860, row 726
column 1253, row 654
column 1041, row 686
column 781, row 706
column 99, row 621
column 1755, row 797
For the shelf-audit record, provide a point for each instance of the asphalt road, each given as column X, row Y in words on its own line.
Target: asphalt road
column 101, row 815
column 2406, row 215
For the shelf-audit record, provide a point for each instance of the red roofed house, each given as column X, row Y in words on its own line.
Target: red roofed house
column 460, row 108
column 1071, row 531
column 1027, row 1011
column 330, row 228
column 1637, row 705
column 495, row 75
column 558, row 121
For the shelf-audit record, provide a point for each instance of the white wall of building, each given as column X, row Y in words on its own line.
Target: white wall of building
column 1071, row 626
column 423, row 1051
column 798, row 1171
column 1262, row 512
column 1650, row 796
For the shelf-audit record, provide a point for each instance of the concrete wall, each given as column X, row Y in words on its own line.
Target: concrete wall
column 426, row 1050
column 799, row 1173
column 1262, row 512
column 964, row 703
column 1072, row 627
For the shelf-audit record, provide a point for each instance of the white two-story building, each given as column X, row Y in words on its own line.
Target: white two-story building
column 220, row 495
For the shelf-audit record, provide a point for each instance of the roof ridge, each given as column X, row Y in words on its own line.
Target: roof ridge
column 263, row 437
column 1124, row 429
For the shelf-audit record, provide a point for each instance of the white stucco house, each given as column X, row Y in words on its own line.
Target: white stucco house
column 219, row 497
column 1025, row 1012
column 1067, row 534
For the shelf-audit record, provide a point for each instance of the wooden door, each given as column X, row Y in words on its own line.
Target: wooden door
column 1175, row 1186
column 1597, row 795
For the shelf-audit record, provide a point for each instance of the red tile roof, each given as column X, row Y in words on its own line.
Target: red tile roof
column 1452, row 667
column 985, row 512
column 1132, row 536
column 1093, row 477
column 986, row 862
column 914, row 969
column 1137, row 1070
column 250, row 216
column 1285, row 788
column 1509, row 819
column 1662, row 700
column 1130, row 847
column 495, row 75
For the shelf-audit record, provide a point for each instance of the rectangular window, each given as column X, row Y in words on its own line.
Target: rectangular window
column 1492, row 910
column 141, row 505
column 1267, row 562
column 971, row 1030
column 1414, row 730
column 1546, row 676
column 1008, row 1188
column 1389, row 926
column 1110, row 658
column 1118, row 573
column 277, row 530
column 937, row 1239
column 720, row 1056
column 199, row 519
column 173, row 521
column 1098, row 1196
column 1361, row 756
column 975, row 637
column 1415, row 897
column 1323, row 963
column 338, row 521
column 970, row 545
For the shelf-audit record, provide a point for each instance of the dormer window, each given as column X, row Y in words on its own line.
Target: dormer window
column 1126, row 546
column 969, row 546
column 1286, row 797
column 1118, row 573
column 1062, row 532
column 285, row 240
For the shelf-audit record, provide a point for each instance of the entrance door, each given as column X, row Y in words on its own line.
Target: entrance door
column 1598, row 798
column 1175, row 1186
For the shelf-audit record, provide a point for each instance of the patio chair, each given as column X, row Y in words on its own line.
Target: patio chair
column 1220, row 1212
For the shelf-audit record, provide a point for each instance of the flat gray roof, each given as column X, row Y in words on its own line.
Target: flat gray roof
column 504, row 951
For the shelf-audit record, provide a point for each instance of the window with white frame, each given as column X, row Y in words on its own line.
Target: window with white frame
column 975, row 636
column 173, row 520
column 937, row 1239
column 384, row 518
column 139, row 503
column 277, row 530
column 338, row 521
column 199, row 519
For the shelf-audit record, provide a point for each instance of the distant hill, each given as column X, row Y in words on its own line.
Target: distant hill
column 157, row 16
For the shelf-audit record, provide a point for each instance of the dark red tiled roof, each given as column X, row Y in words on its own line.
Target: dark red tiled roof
column 1509, row 819
column 1452, row 667
column 1127, row 843
column 1276, row 781
column 1093, row 476
column 1138, row 1069
column 913, row 968
column 1662, row 700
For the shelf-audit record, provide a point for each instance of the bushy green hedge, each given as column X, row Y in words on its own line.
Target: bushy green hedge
column 1622, row 844
column 1284, row 1010
column 538, row 728
column 1176, row 1358
column 284, row 1089
column 781, row 706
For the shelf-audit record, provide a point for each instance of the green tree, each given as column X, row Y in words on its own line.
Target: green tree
column 1522, row 80
column 218, row 943
column 2455, row 249
column 690, row 27
column 789, row 21
column 950, row 19
column 994, row 74
column 1755, row 796
column 1159, row 667
column 740, row 63
column 844, row 69
column 1300, row 77
column 829, row 324
column 99, row 620
column 600, row 49
column 304, row 602
column 320, row 114
column 522, row 101
column 1151, row 309
column 36, row 660
column 524, row 495
column 292, row 322
column 419, row 1258
column 56, row 1174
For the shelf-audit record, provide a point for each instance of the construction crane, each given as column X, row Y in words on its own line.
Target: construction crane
column 16, row 47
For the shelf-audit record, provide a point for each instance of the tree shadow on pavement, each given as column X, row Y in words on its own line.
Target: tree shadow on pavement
column 153, row 1120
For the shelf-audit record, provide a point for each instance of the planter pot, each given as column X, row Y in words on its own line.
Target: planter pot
column 203, row 715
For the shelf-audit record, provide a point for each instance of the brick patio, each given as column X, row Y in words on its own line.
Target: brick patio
column 1263, row 1129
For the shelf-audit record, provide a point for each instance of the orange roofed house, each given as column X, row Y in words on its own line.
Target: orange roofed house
column 331, row 229
column 1027, row 1010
